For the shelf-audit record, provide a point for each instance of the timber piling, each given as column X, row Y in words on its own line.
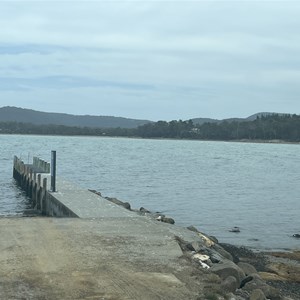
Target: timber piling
column 33, row 179
column 66, row 200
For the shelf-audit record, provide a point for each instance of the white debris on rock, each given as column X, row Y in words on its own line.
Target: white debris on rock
column 207, row 241
column 201, row 259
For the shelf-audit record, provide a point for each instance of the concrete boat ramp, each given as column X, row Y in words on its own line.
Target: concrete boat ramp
column 98, row 258
column 106, row 252
column 85, row 204
column 83, row 246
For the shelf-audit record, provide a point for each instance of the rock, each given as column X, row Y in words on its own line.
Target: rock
column 207, row 241
column 246, row 280
column 198, row 246
column 229, row 284
column 235, row 229
column 214, row 255
column 185, row 246
column 289, row 271
column 201, row 257
column 118, row 202
column 271, row 293
column 214, row 239
column 158, row 215
column 216, row 258
column 189, row 247
column 294, row 255
column 231, row 296
column 258, row 260
column 204, row 265
column 96, row 192
column 222, row 251
column 242, row 294
column 271, row 277
column 257, row 283
column 126, row 205
column 144, row 210
column 247, row 268
column 228, row 268
column 192, row 228
column 167, row 220
column 164, row 219
column 257, row 295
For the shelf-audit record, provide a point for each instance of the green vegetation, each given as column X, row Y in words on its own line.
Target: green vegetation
column 270, row 127
column 28, row 128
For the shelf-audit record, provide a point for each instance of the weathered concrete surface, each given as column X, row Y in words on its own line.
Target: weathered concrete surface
column 84, row 203
column 104, row 258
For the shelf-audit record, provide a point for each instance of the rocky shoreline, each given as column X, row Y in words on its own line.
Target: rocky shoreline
column 280, row 270
column 237, row 273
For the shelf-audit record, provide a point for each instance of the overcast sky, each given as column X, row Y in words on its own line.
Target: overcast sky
column 156, row 60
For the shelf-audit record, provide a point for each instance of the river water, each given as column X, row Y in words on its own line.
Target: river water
column 211, row 185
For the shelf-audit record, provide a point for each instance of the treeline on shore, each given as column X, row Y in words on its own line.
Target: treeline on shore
column 269, row 127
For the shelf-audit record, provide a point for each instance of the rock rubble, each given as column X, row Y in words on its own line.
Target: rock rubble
column 243, row 274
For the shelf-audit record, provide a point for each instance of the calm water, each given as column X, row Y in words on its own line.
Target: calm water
column 211, row 185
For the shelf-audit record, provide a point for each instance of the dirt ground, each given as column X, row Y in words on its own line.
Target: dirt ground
column 46, row 258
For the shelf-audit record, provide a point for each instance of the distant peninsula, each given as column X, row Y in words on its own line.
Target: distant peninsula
column 22, row 115
column 264, row 126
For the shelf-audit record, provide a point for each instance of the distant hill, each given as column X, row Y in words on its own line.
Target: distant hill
column 15, row 114
column 22, row 115
column 201, row 121
column 253, row 117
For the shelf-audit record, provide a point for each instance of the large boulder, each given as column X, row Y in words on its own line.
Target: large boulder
column 230, row 284
column 198, row 246
column 222, row 251
column 242, row 294
column 247, row 268
column 215, row 256
column 255, row 282
column 289, row 271
column 271, row 277
column 227, row 268
column 257, row 295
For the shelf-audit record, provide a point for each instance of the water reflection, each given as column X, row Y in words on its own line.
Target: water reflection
column 13, row 200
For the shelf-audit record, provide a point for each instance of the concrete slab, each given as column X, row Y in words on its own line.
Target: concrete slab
column 107, row 253
column 103, row 258
column 84, row 203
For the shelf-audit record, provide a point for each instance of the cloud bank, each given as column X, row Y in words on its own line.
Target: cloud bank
column 154, row 59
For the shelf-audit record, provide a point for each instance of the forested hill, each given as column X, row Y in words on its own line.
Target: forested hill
column 264, row 127
column 15, row 114
column 284, row 127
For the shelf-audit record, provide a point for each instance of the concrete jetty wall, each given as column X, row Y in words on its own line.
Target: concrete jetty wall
column 33, row 179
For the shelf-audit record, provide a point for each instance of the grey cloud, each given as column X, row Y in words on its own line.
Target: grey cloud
column 210, row 55
column 65, row 82
column 17, row 49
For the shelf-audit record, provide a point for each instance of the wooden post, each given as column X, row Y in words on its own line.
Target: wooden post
column 53, row 171
column 43, row 197
column 38, row 192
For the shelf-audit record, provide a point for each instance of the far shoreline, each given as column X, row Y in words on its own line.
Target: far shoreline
column 249, row 141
